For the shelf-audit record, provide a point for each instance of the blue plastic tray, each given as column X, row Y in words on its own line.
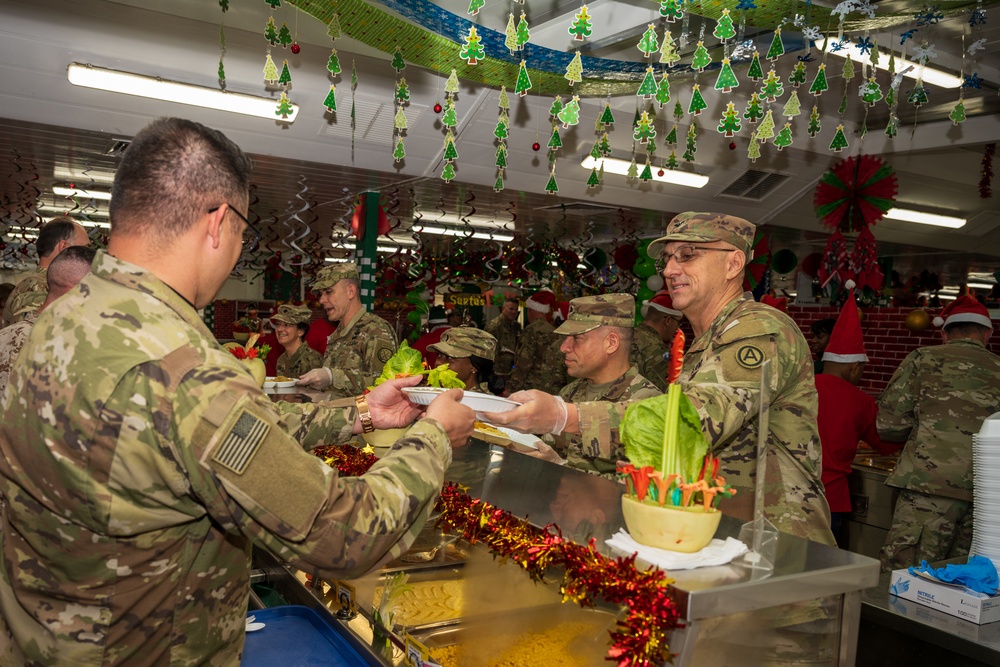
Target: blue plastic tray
column 296, row 636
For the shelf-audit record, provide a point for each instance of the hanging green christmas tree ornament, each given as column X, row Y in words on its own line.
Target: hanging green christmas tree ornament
column 555, row 141
column 663, row 91
column 647, row 172
column 730, row 123
column 766, row 129
column 270, row 71
column 594, row 180
column 672, row 162
column 448, row 173
column 450, row 152
column 284, row 36
column 331, row 100
column 284, row 106
column 754, row 110
column 523, row 84
column 814, row 124
column 604, row 145
column 644, row 130
column 784, row 137
column 724, row 30
column 819, row 83
column 777, row 48
column 701, row 59
column 727, row 78
column 400, row 151
column 333, row 64
column 798, row 75
column 839, row 142
column 692, row 143
column 698, row 103
column 510, row 36
column 475, row 6
column 556, row 106
column 848, row 72
column 678, row 111
column 286, row 76
column 501, row 130
column 755, row 73
column 668, row 50
column 498, row 184
column 472, row 52
column 633, row 170
column 574, row 71
column 399, row 122
column 672, row 136
column 649, row 43
column 607, row 118
column 523, row 33
column 274, row 4
column 772, row 87
column 792, row 106
column 918, row 96
column 671, row 10
column 333, row 28
column 870, row 92
column 501, row 159
column 753, row 150
column 398, row 63
column 648, row 86
column 450, row 117
column 957, row 114
column 552, row 187
column 222, row 73
column 402, row 91
column 582, row 26
column 570, row 113
column 271, row 32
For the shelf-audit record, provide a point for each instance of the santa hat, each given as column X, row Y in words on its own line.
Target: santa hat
column 662, row 302
column 437, row 315
column 541, row 301
column 847, row 345
column 964, row 309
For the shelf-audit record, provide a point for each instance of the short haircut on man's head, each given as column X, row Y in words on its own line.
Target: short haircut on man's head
column 624, row 334
column 511, row 299
column 69, row 267
column 965, row 330
column 172, row 173
column 824, row 326
column 52, row 232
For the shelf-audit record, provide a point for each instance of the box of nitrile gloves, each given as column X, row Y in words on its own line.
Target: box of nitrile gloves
column 951, row 599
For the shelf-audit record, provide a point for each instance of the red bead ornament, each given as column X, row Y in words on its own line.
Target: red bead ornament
column 660, row 173
column 437, row 108
column 732, row 145
column 536, row 146
column 295, row 47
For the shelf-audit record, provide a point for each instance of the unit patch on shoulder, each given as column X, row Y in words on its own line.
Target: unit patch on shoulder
column 238, row 447
column 384, row 354
column 750, row 356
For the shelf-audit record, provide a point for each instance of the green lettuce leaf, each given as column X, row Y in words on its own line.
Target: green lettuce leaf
column 404, row 363
column 642, row 432
column 442, row 376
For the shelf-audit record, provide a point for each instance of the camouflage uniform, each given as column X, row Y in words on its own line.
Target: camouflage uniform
column 601, row 454
column 140, row 461
column 721, row 376
column 27, row 297
column 12, row 339
column 537, row 365
column 936, row 400
column 507, row 334
column 304, row 360
column 651, row 355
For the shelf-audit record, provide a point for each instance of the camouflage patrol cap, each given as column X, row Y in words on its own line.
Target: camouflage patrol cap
column 329, row 276
column 462, row 342
column 705, row 228
column 589, row 312
column 289, row 314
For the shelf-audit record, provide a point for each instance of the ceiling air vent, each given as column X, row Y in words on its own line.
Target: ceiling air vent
column 754, row 184
column 116, row 147
column 374, row 120
column 579, row 208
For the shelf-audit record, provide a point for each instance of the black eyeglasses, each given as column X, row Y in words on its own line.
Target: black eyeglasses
column 685, row 254
column 251, row 237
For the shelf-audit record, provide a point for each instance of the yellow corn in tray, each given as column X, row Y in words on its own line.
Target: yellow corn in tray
column 559, row 646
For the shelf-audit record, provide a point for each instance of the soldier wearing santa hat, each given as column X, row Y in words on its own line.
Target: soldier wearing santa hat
column 650, row 344
column 936, row 400
column 537, row 362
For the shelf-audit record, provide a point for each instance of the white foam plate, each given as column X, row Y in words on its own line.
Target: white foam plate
column 477, row 401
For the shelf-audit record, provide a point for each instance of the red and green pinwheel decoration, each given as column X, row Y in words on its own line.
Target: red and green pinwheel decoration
column 855, row 193
column 757, row 267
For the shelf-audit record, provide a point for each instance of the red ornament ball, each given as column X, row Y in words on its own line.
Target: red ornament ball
column 732, row 145
column 437, row 108
column 295, row 47
column 536, row 146
column 660, row 173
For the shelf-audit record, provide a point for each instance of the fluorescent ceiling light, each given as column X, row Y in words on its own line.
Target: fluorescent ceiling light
column 172, row 91
column 929, row 75
column 981, row 285
column 672, row 176
column 909, row 215
column 77, row 192
column 473, row 220
column 336, row 259
column 447, row 231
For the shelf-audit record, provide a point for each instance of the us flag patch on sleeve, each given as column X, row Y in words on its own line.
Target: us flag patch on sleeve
column 238, row 446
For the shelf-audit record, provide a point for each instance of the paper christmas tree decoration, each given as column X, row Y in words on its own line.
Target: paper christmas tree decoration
column 692, row 144
column 663, row 91
column 701, row 59
column 498, row 184
column 698, row 103
column 333, row 64
column 523, row 84
column 450, row 152
column 777, row 48
column 284, row 107
column 730, row 123
column 284, row 36
column 604, row 145
column 753, row 151
column 649, row 43
column 647, row 172
column 271, row 32
column 848, row 72
column 672, row 161
column 397, row 61
column 814, row 125
column 784, row 137
column 607, row 118
column 918, row 96
column 523, row 33
column 668, row 50
column 582, row 26
column 556, row 106
column 286, row 76
column 651, row 147
column 399, row 122
column 501, row 129
column 270, row 70
column 766, row 129
column 222, row 72
column 727, row 78
column 870, row 92
column 331, row 100
column 402, row 91
column 273, row 3
column 792, row 107
column 839, row 142
column 648, row 86
column 333, row 28
column 475, row 6
column 574, row 71
column 819, row 83
column 555, row 141
column 772, row 87
column 570, row 113
column 501, row 160
column 957, row 114
column 595, row 152
column 672, row 136
column 644, row 130
column 724, row 28
column 798, row 76
column 472, row 52
column 450, row 117
column 892, row 127
column 633, row 170
column 504, row 99
column 399, row 152
column 755, row 73
column 678, row 111
column 448, row 173
column 754, row 110
column 671, row 10
column 594, row 180
column 510, row 35
column 451, row 85
column 552, row 187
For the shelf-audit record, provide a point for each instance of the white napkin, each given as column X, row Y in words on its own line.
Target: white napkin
column 718, row 552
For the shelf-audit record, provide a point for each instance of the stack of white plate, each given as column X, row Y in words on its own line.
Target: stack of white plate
column 986, row 490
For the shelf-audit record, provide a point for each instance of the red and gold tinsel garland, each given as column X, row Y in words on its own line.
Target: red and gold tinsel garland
column 639, row 640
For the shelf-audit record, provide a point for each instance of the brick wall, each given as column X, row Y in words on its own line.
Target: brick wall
column 225, row 317
column 887, row 340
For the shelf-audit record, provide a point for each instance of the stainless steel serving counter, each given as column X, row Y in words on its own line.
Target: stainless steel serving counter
column 804, row 611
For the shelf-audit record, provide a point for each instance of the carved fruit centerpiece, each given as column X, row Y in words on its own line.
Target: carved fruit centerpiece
column 252, row 356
